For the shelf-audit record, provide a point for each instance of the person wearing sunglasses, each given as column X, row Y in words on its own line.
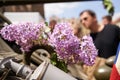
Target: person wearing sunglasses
column 106, row 38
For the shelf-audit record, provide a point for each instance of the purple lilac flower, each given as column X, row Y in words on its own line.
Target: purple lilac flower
column 70, row 48
column 24, row 34
column 89, row 51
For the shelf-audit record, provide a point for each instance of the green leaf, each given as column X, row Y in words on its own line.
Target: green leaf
column 46, row 23
column 108, row 6
column 58, row 63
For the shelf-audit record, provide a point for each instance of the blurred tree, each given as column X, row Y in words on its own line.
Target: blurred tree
column 108, row 6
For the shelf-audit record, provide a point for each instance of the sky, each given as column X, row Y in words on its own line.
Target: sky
column 73, row 9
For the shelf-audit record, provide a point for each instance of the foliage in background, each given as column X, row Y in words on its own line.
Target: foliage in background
column 109, row 6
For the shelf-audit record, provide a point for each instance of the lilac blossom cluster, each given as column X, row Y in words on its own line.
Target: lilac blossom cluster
column 24, row 34
column 89, row 51
column 70, row 48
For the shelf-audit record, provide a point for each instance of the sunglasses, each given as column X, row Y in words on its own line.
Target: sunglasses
column 84, row 19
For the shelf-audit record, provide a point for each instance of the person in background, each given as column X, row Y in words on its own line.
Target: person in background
column 76, row 70
column 116, row 21
column 106, row 39
column 107, row 20
column 52, row 24
column 79, row 30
